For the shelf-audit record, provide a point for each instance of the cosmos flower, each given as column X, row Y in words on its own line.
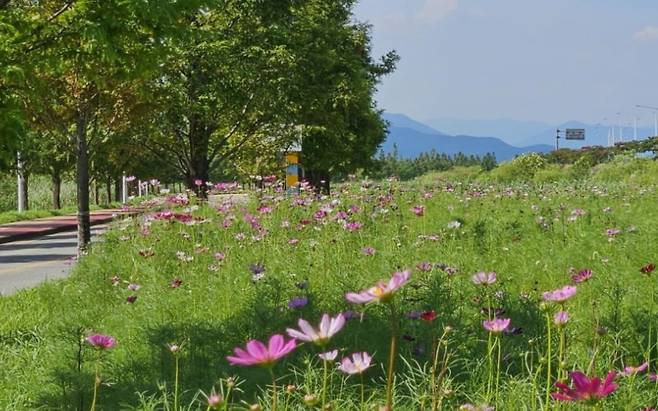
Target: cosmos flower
column 582, row 276
column 483, row 278
column 257, row 353
column 296, row 303
column 368, row 251
column 329, row 356
column 585, row 389
column 648, row 269
column 630, row 370
column 497, row 325
column 561, row 318
column 357, row 364
column 327, row 329
column 101, row 341
column 382, row 292
column 428, row 316
column 561, row 294
column 419, row 211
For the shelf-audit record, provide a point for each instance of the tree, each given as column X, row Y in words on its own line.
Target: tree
column 342, row 127
column 225, row 85
column 83, row 70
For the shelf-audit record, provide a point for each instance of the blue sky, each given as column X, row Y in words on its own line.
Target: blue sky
column 546, row 60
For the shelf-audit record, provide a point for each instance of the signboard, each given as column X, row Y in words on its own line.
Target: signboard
column 575, row 134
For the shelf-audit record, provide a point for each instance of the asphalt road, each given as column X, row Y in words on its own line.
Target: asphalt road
column 28, row 263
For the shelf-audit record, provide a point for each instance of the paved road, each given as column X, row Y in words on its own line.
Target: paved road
column 24, row 264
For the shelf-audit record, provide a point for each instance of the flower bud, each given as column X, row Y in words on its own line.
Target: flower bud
column 291, row 388
column 255, row 407
column 310, row 400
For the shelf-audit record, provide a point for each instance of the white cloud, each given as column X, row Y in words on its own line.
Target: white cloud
column 647, row 34
column 435, row 10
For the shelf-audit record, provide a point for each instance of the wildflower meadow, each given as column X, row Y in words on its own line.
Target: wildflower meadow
column 427, row 295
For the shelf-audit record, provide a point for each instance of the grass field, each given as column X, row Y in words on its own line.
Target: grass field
column 208, row 280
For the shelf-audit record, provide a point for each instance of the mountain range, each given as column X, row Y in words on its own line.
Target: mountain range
column 412, row 137
column 504, row 137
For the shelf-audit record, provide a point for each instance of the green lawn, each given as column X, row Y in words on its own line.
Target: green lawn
column 522, row 232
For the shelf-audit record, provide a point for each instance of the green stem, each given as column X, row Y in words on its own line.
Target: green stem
column 324, row 383
column 392, row 354
column 363, row 393
column 548, row 359
column 274, row 393
column 176, row 384
column 498, row 369
column 96, row 381
column 490, row 364
column 561, row 371
column 649, row 347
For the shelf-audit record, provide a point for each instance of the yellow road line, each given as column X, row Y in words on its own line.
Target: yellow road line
column 27, row 266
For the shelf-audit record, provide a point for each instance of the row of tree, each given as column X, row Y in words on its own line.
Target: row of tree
column 391, row 164
column 192, row 90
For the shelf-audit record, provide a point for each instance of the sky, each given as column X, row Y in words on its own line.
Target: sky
column 543, row 60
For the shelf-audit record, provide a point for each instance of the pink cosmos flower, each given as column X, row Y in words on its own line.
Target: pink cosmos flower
column 561, row 294
column 630, row 371
column 561, row 318
column 382, row 292
column 418, row 211
column 257, row 353
column 320, row 336
column 329, row 356
column 101, row 341
column 585, row 389
column 582, row 276
column 483, row 278
column 497, row 325
column 353, row 226
column 359, row 362
column 368, row 251
column 612, row 232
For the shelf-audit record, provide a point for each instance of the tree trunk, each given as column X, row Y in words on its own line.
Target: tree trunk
column 82, row 180
column 22, row 184
column 56, row 179
column 25, row 191
column 199, row 164
column 108, row 186
column 96, row 193
column 117, row 190
column 320, row 180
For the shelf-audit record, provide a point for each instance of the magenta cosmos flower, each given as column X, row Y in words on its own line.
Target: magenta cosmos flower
column 101, row 341
column 630, row 370
column 585, row 389
column 320, row 336
column 497, row 325
column 561, row 294
column 257, row 353
column 382, row 292
column 483, row 278
column 561, row 318
column 582, row 276
column 357, row 364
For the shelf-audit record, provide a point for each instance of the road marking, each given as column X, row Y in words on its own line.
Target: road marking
column 27, row 266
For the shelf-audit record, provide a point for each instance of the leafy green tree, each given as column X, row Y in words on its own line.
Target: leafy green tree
column 342, row 127
column 84, row 67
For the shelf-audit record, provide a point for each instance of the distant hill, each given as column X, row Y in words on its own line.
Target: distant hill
column 412, row 138
column 512, row 132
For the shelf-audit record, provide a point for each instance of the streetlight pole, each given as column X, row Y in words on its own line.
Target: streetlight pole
column 655, row 117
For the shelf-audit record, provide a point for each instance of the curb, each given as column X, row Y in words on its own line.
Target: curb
column 59, row 229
